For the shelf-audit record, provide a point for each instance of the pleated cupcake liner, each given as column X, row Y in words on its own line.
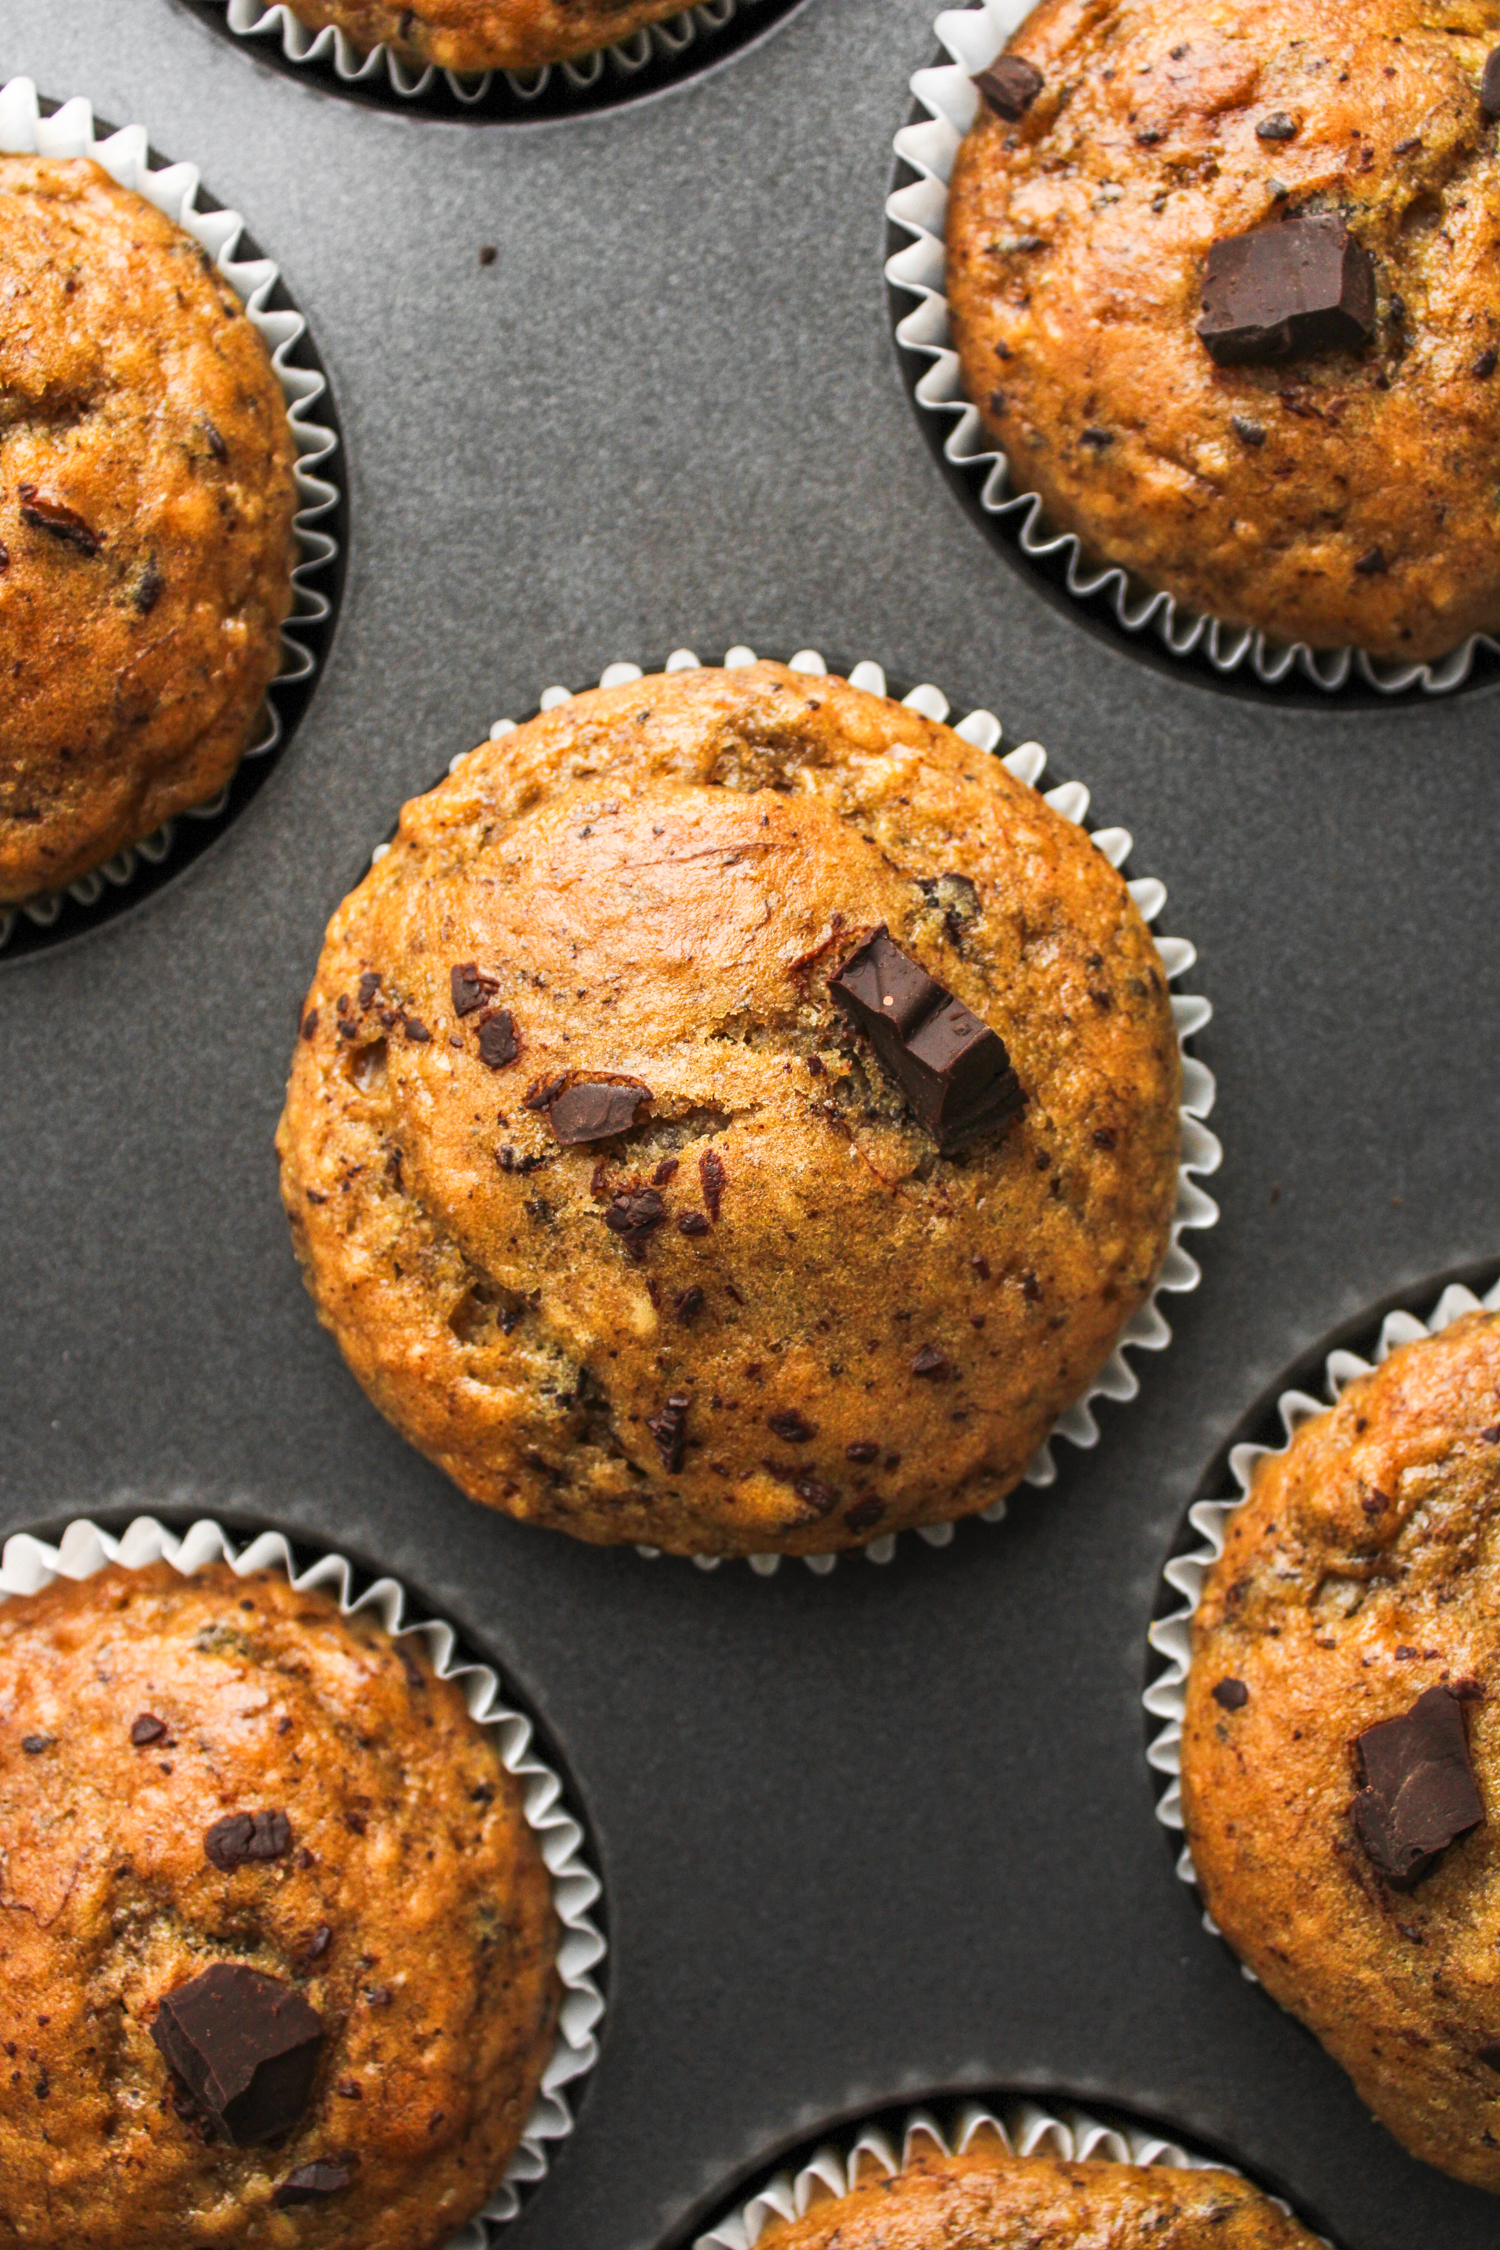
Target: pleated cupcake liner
column 1207, row 1521
column 26, row 128
column 1024, row 2128
column 1147, row 1328
column 29, row 1563
column 605, row 74
column 974, row 36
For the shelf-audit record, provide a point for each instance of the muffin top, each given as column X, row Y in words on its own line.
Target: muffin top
column 471, row 35
column 1340, row 492
column 1009, row 2202
column 146, row 508
column 279, row 1968
column 610, row 1200
column 1341, row 1739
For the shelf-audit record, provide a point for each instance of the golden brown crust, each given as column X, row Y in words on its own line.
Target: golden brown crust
column 436, row 1982
column 1361, row 1570
column 993, row 2201
column 660, row 879
column 473, row 35
column 1076, row 246
column 137, row 649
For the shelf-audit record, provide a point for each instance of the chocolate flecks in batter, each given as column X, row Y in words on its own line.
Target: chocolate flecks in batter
column 244, row 2045
column 56, row 518
column 1248, row 433
column 791, row 1426
column 596, row 1110
column 1372, row 563
column 469, row 987
column 148, row 588
column 147, row 1728
column 931, row 1364
column 1489, row 84
column 1279, row 127
column 669, row 1428
column 953, row 1070
column 633, row 1213
column 1231, row 1695
column 688, row 1306
column 713, row 1173
column 499, row 1043
column 242, row 1837
column 862, row 1449
column 863, row 1515
column 1484, row 367
column 216, row 445
column 980, row 1266
column 1096, row 436
column 509, row 1161
column 35, row 1744
column 310, row 2182
column 1009, row 86
column 487, row 253
column 1283, row 290
column 1419, row 1794
column 310, row 1024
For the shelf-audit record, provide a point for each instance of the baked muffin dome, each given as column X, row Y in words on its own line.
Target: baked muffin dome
column 146, row 505
column 1336, row 496
column 1360, row 1586
column 243, row 1829
column 771, row 1313
column 1005, row 2202
column 471, row 35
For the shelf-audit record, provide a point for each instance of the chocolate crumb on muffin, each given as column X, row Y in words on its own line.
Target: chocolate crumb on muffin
column 279, row 1960
column 146, row 505
column 1223, row 289
column 1340, row 1741
column 1004, row 2202
column 735, row 1115
column 476, row 35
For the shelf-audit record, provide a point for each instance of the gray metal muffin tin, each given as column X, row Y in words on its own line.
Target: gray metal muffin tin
column 889, row 1831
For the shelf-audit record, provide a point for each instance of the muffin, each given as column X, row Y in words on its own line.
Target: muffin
column 471, row 35
column 280, row 1965
column 986, row 2196
column 146, row 506
column 1222, row 288
column 1341, row 1739
column 736, row 1115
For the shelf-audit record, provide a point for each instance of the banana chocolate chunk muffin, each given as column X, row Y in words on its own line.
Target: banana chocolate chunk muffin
column 735, row 1115
column 1004, row 2202
column 1224, row 290
column 475, row 35
column 146, row 505
column 1341, row 1744
column 278, row 1965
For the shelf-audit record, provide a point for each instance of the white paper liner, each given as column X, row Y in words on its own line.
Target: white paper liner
column 1147, row 1329
column 173, row 189
column 28, row 1564
column 1025, row 2128
column 973, row 37
column 1171, row 1637
column 667, row 40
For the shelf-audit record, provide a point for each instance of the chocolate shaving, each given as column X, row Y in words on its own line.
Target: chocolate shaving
column 1284, row 290
column 245, row 2046
column 953, row 1070
column 1419, row 1794
column 712, row 1174
column 324, row 2176
column 498, row 1041
column 596, row 1110
column 470, row 988
column 147, row 1728
column 62, row 522
column 669, row 1428
column 240, row 1838
column 1009, row 86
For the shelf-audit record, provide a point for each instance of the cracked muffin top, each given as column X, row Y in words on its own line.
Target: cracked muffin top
column 1320, row 466
column 146, row 505
column 1341, row 1738
column 470, row 35
column 279, row 1950
column 614, row 1200
column 1002, row 2202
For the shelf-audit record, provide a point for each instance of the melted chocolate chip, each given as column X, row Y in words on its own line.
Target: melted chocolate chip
column 669, row 1428
column 147, row 1728
column 470, row 989
column 931, row 1363
column 324, row 2176
column 1009, row 86
column 596, row 1110
column 712, row 1173
column 1285, row 290
column 240, row 1838
column 498, row 1043
column 62, row 522
column 792, row 1426
column 1231, row 1695
column 1419, row 1794
column 245, row 2046
column 633, row 1213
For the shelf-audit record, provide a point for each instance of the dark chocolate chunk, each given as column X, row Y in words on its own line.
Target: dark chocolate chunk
column 821, row 1499
column 669, row 1428
column 952, row 1068
column 148, row 588
column 415, row 1029
column 667, row 1170
column 693, row 1222
column 1490, row 2055
column 1231, row 1695
column 1248, row 433
column 244, row 2045
column 62, row 522
column 35, row 1744
column 863, row 1449
column 1484, row 367
column 469, row 988
column 1277, row 127
column 596, row 1110
column 240, row 1837
column 1287, row 289
column 147, row 1728
column 1009, row 86
column 369, row 985
column 1489, row 84
column 931, row 1363
column 310, row 1024
column 792, row 1426
column 1419, row 1792
column 498, row 1044
column 1491, row 1435
column 324, row 2176
column 1372, row 563
column 712, row 1173
column 633, row 1213
column 543, row 1092
column 690, row 1303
